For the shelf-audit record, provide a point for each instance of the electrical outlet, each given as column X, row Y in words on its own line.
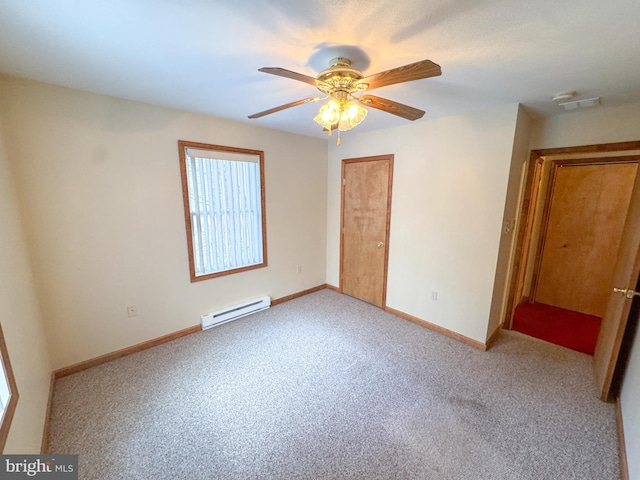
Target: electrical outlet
column 299, row 269
column 434, row 295
column 132, row 311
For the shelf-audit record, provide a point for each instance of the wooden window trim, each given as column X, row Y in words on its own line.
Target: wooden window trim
column 7, row 417
column 182, row 144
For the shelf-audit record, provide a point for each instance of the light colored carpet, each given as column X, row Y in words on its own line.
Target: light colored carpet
column 328, row 387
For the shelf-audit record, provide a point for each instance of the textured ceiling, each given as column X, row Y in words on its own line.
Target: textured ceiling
column 203, row 55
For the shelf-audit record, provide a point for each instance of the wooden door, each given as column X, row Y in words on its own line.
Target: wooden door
column 584, row 219
column 625, row 277
column 366, row 209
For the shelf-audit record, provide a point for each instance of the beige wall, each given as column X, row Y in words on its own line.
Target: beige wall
column 587, row 127
column 594, row 126
column 99, row 181
column 515, row 187
column 21, row 321
column 449, row 188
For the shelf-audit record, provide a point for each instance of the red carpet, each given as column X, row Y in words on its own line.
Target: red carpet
column 573, row 330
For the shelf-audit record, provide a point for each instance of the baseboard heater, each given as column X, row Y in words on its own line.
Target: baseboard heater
column 233, row 313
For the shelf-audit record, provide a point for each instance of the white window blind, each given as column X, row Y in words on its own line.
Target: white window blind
column 4, row 389
column 225, row 210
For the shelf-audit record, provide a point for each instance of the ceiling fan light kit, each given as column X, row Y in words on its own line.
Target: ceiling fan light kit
column 341, row 81
column 342, row 112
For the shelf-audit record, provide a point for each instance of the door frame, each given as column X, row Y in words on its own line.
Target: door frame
column 389, row 158
column 530, row 198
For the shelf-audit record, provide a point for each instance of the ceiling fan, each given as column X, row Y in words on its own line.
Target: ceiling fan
column 344, row 85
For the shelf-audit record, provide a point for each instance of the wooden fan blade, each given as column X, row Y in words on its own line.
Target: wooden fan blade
column 389, row 106
column 407, row 73
column 281, row 72
column 285, row 106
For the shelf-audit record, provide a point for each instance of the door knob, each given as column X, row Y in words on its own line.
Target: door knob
column 627, row 293
column 380, row 244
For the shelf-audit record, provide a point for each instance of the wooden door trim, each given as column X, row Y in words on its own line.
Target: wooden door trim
column 596, row 148
column 527, row 211
column 591, row 161
column 524, row 236
column 544, row 226
column 389, row 158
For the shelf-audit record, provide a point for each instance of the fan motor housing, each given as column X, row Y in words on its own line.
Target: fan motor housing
column 340, row 76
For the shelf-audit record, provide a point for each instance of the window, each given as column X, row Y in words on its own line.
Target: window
column 223, row 193
column 8, row 393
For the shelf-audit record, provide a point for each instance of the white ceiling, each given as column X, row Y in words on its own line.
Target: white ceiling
column 203, row 55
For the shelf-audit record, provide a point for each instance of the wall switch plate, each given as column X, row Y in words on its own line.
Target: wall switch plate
column 299, row 269
column 434, row 295
column 132, row 311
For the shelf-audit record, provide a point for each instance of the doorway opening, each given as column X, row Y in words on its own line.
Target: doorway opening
column 580, row 215
column 529, row 254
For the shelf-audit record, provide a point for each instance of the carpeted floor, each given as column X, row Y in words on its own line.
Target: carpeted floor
column 328, row 387
column 574, row 330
